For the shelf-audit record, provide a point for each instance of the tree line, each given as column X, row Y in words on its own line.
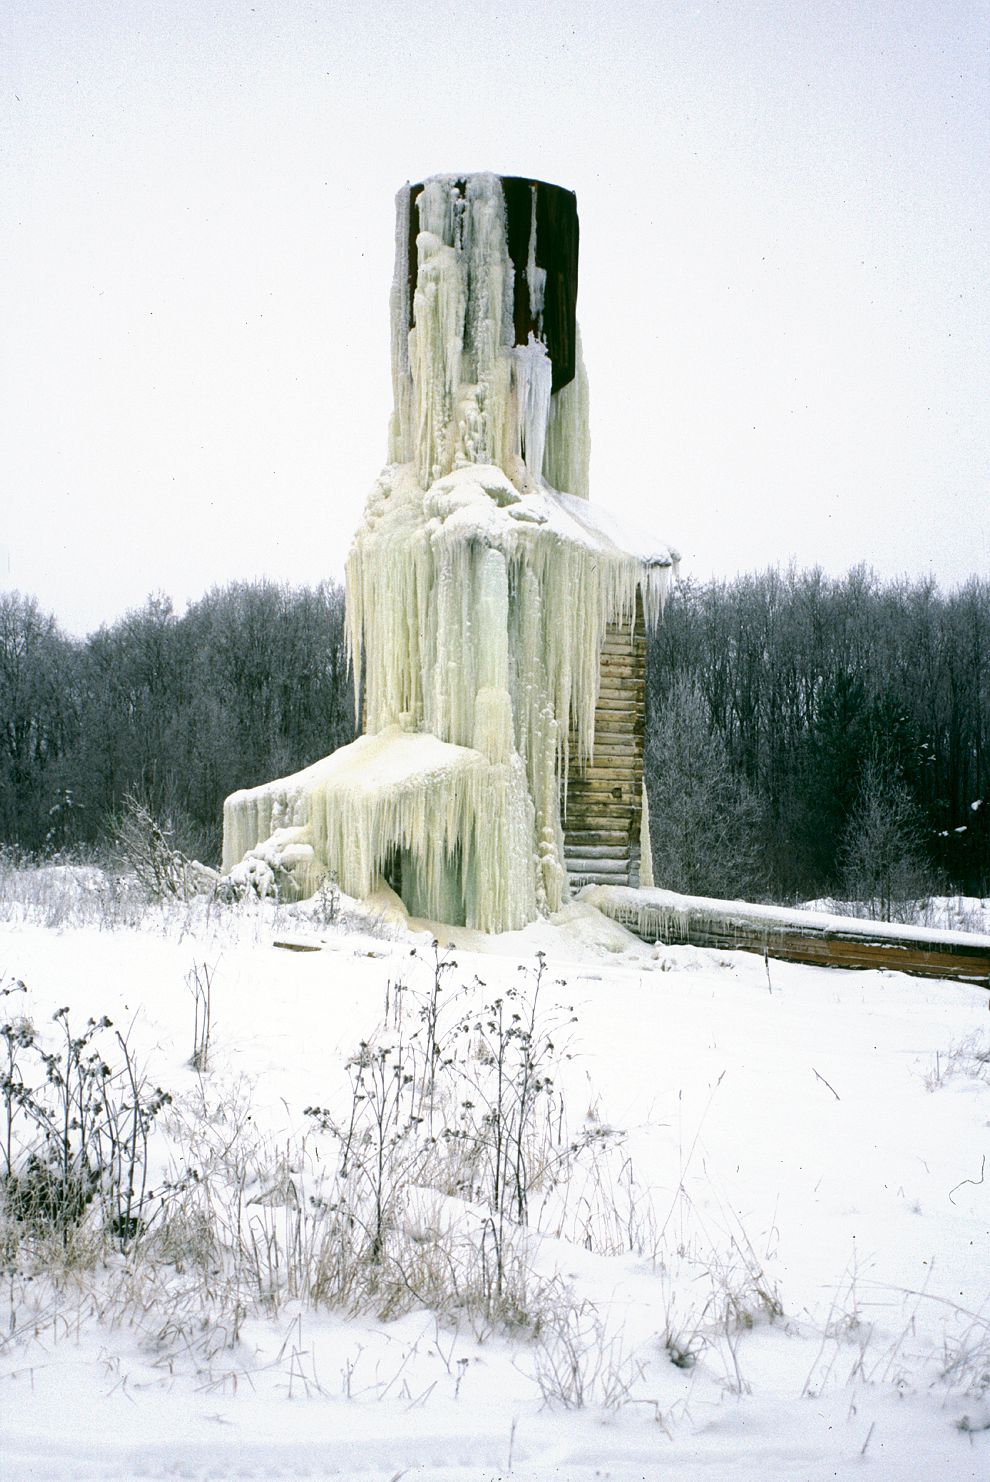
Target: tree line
column 250, row 683
column 844, row 726
column 806, row 735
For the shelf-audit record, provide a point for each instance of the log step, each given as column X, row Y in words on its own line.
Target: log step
column 614, row 870
column 580, row 879
column 625, row 792
column 589, row 850
column 582, row 841
column 605, row 769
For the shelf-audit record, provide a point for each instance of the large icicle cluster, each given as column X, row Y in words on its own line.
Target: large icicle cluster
column 464, row 391
column 477, row 601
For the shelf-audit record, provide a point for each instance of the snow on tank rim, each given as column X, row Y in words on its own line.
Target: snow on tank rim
column 503, row 508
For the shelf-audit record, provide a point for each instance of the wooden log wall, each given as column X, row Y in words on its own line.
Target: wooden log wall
column 798, row 936
column 602, row 808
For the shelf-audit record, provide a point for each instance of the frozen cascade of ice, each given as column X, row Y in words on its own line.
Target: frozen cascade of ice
column 464, row 391
column 536, row 277
column 567, row 449
column 477, row 600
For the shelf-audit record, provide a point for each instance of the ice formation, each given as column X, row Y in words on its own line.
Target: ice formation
column 478, row 592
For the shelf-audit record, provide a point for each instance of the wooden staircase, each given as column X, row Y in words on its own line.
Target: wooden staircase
column 602, row 808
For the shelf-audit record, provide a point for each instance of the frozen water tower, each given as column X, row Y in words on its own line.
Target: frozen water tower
column 496, row 617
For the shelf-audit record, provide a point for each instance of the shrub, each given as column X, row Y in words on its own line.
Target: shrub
column 882, row 859
column 707, row 833
column 75, row 1130
column 144, row 845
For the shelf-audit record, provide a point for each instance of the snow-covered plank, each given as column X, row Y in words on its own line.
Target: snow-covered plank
column 795, row 935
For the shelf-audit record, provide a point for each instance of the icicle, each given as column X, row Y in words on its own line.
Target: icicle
column 536, row 278
column 400, row 444
column 488, row 330
column 435, row 346
column 568, row 445
column 645, row 845
column 533, row 380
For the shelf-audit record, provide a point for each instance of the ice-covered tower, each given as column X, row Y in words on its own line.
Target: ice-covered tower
column 494, row 616
column 486, row 358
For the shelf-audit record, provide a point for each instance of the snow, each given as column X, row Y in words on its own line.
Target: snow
column 818, row 1149
column 969, row 914
column 478, row 596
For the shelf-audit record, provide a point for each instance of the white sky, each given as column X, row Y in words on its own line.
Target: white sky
column 783, row 296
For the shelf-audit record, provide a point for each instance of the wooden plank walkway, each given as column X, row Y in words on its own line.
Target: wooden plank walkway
column 796, row 936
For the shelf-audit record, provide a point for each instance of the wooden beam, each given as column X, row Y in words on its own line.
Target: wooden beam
column 797, row 936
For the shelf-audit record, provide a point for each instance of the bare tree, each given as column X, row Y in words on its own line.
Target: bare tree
column 882, row 856
column 705, row 820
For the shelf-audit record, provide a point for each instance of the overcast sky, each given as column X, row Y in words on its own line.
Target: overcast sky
column 783, row 290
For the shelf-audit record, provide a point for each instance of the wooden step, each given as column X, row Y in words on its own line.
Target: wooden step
column 619, row 717
column 628, row 760
column 608, row 771
column 585, row 823
column 602, row 808
column 625, row 791
column 579, row 879
column 621, row 703
column 615, row 870
column 582, row 839
column 625, row 743
column 618, row 731
column 603, row 852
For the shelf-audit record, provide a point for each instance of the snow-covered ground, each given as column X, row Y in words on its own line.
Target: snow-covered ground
column 758, row 1217
column 969, row 913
